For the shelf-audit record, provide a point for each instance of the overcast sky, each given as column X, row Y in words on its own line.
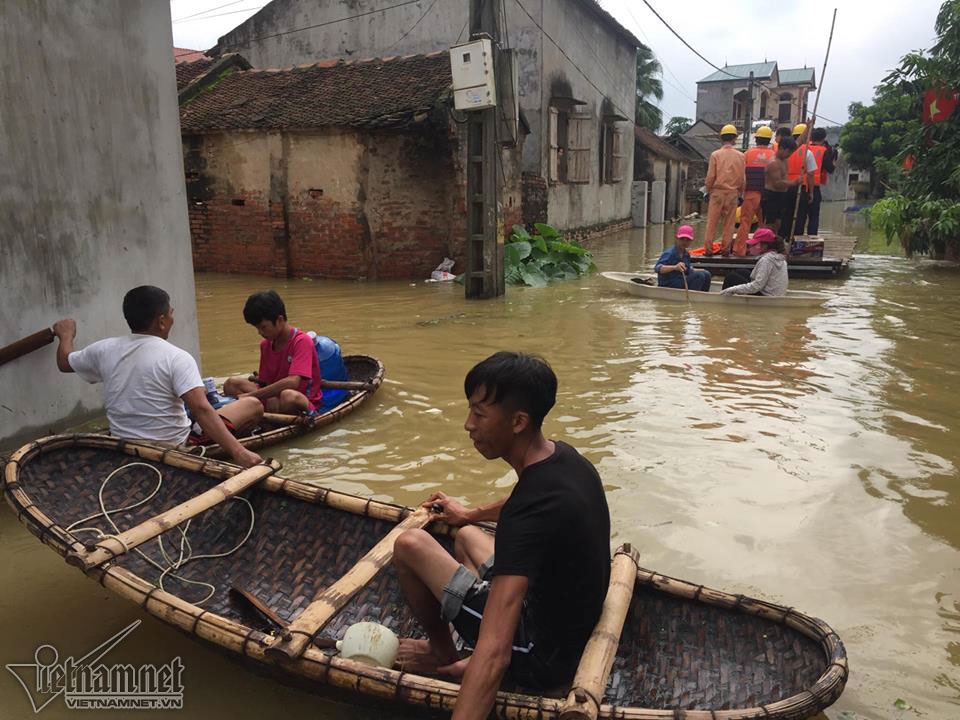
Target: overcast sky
column 870, row 38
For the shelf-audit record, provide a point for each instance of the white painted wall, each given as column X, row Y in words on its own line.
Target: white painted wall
column 92, row 199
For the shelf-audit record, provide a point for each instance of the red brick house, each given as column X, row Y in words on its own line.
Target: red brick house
column 337, row 169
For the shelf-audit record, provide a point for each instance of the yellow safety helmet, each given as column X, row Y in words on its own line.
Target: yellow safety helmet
column 764, row 132
column 799, row 129
column 728, row 129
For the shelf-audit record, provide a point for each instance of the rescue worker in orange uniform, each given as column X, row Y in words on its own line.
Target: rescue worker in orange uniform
column 725, row 182
column 824, row 157
column 756, row 158
column 801, row 165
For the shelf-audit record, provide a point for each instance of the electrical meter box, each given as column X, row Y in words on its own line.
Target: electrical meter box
column 471, row 65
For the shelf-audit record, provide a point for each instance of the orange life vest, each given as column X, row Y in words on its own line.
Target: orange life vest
column 757, row 158
column 818, row 153
column 795, row 163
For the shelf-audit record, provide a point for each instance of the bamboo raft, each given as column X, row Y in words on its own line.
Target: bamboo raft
column 315, row 561
column 365, row 375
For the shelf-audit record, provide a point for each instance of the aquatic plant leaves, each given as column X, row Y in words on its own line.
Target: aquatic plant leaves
column 546, row 256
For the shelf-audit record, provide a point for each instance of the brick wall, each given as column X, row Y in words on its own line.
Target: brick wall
column 534, row 199
column 384, row 205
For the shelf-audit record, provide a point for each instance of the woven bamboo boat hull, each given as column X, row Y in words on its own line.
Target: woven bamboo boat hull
column 360, row 368
column 684, row 651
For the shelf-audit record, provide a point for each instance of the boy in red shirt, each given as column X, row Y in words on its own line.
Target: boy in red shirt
column 288, row 380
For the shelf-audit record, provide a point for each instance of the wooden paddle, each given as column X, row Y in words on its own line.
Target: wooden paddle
column 686, row 289
column 26, row 345
column 347, row 385
column 258, row 607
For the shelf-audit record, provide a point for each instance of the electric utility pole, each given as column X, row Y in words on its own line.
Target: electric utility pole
column 484, row 274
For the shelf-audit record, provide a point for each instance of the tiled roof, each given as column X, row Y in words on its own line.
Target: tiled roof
column 798, row 76
column 761, row 71
column 654, row 144
column 371, row 93
column 182, row 55
column 187, row 72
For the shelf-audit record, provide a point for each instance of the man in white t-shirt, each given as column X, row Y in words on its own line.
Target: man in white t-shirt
column 146, row 380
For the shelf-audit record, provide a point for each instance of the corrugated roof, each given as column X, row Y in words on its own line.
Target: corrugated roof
column 369, row 93
column 698, row 145
column 798, row 76
column 656, row 145
column 761, row 71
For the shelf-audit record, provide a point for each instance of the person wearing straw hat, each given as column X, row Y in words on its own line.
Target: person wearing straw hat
column 527, row 599
column 675, row 269
column 769, row 275
column 725, row 183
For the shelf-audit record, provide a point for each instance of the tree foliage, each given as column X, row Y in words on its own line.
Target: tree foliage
column 678, row 125
column 875, row 134
column 924, row 210
column 649, row 88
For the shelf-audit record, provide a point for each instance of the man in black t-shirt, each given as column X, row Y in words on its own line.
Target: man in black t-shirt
column 528, row 608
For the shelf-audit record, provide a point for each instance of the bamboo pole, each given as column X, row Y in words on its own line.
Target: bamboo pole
column 583, row 702
column 110, row 547
column 26, row 345
column 813, row 120
column 297, row 636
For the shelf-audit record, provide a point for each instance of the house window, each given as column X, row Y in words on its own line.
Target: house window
column 570, row 144
column 786, row 100
column 764, row 96
column 740, row 103
column 612, row 153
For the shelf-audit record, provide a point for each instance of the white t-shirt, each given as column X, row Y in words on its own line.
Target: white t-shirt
column 143, row 378
column 810, row 162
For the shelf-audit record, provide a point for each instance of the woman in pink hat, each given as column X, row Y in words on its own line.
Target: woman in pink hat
column 674, row 264
column 769, row 275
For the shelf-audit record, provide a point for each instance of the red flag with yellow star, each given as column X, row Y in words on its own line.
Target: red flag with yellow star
column 938, row 105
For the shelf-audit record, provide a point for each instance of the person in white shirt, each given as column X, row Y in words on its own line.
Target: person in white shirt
column 146, row 380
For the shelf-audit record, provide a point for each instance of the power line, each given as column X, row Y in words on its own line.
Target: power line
column 413, row 27
column 333, row 22
column 717, row 67
column 229, row 12
column 662, row 62
column 204, row 12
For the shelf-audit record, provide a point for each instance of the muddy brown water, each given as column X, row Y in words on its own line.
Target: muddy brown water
column 806, row 457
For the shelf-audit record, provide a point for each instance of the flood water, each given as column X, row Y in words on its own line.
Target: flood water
column 808, row 457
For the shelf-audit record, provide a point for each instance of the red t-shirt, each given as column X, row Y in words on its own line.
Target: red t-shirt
column 298, row 357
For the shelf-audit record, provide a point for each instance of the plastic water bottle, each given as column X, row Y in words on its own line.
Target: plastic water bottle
column 210, row 386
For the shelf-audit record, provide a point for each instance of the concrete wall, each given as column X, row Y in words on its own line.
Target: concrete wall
column 595, row 51
column 597, row 59
column 91, row 189
column 715, row 101
column 334, row 203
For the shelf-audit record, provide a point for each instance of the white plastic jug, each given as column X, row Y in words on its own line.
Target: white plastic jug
column 370, row 643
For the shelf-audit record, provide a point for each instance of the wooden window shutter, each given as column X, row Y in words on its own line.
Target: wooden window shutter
column 554, row 164
column 578, row 150
column 619, row 157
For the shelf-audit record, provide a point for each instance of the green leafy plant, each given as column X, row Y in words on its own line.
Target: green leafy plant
column 542, row 257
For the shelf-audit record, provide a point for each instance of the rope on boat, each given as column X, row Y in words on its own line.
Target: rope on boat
column 186, row 549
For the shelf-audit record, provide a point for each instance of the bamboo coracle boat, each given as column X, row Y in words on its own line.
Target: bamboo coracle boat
column 281, row 568
column 365, row 375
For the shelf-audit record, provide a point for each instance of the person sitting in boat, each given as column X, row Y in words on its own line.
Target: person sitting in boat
column 146, row 380
column 528, row 609
column 288, row 380
column 674, row 265
column 769, row 275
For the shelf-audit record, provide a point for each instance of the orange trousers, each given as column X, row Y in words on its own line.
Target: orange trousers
column 722, row 202
column 750, row 207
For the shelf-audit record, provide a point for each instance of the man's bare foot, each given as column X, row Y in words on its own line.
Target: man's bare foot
column 417, row 656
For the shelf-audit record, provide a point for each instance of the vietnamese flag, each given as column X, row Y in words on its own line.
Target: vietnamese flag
column 938, row 105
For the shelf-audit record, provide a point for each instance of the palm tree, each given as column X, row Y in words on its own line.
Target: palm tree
column 649, row 86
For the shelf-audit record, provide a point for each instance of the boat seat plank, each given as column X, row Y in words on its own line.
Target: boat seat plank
column 297, row 636
column 586, row 694
column 113, row 546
